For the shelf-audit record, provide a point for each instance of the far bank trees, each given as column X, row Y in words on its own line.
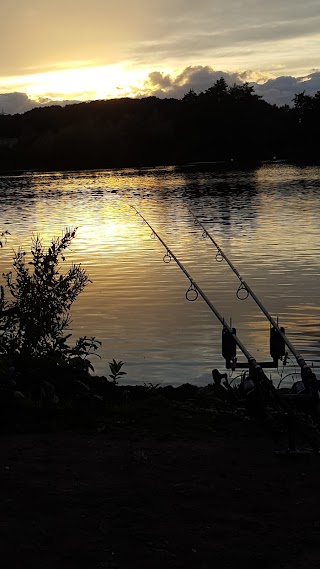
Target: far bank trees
column 221, row 123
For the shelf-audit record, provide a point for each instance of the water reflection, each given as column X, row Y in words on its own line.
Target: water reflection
column 265, row 220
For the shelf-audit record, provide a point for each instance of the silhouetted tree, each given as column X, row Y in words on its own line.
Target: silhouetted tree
column 190, row 97
column 220, row 123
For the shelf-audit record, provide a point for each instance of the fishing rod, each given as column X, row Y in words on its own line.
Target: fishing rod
column 261, row 382
column 248, row 291
column 194, row 290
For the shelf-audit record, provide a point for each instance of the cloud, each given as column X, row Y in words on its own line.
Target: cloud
column 45, row 35
column 19, row 103
column 197, row 78
column 281, row 91
column 12, row 103
column 235, row 34
column 278, row 91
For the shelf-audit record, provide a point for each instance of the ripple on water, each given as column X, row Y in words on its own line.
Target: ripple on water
column 266, row 220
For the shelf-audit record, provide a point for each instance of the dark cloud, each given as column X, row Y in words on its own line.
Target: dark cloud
column 255, row 32
column 188, row 40
column 279, row 91
column 197, row 78
column 19, row 103
column 12, row 103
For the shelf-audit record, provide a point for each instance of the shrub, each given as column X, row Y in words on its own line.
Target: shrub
column 35, row 308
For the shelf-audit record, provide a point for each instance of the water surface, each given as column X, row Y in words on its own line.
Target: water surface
column 266, row 220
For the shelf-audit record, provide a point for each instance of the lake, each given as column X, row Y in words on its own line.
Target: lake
column 267, row 220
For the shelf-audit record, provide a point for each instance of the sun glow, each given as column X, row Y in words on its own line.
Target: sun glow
column 98, row 82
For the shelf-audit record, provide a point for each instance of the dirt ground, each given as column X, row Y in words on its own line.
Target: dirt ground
column 129, row 499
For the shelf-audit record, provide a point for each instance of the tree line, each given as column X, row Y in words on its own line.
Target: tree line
column 221, row 123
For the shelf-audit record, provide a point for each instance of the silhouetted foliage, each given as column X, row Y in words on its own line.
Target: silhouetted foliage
column 35, row 305
column 220, row 123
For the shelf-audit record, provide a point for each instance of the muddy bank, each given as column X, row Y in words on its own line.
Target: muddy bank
column 133, row 496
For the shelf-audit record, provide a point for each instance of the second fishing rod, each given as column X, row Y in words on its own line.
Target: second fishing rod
column 247, row 290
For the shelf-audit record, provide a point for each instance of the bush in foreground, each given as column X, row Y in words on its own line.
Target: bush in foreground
column 35, row 303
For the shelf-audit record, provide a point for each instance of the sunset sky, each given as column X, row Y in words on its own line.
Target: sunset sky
column 80, row 50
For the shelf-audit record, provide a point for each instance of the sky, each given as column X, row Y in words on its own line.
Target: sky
column 76, row 50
